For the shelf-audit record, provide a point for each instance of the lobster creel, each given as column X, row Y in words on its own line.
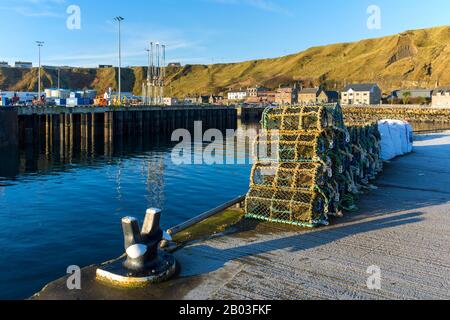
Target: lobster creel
column 317, row 168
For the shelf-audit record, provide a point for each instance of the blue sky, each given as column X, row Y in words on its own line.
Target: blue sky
column 199, row 31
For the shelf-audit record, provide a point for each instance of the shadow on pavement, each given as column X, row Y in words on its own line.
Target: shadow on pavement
column 209, row 259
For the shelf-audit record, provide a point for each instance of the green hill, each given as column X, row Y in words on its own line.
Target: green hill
column 418, row 58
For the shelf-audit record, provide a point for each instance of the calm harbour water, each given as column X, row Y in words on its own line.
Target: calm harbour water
column 55, row 213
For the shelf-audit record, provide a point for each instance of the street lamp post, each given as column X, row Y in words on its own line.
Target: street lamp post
column 119, row 20
column 147, row 97
column 152, row 73
column 157, row 73
column 59, row 78
column 163, row 71
column 40, row 44
column 148, row 62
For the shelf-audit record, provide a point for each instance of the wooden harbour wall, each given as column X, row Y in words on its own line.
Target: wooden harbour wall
column 8, row 127
column 64, row 125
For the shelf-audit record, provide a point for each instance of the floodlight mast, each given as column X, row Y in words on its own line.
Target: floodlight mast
column 119, row 20
column 40, row 44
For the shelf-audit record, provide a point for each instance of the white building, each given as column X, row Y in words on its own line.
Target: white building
column 237, row 95
column 361, row 94
column 192, row 100
column 441, row 98
column 26, row 65
column 57, row 93
column 170, row 101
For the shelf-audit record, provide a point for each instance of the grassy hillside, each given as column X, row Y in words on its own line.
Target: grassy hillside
column 410, row 59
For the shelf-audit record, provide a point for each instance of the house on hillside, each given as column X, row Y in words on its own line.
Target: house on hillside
column 237, row 95
column 362, row 94
column 193, row 100
column 256, row 91
column 24, row 65
column 317, row 95
column 170, row 101
column 413, row 96
column 45, row 67
column 4, row 64
column 211, row 99
column 204, row 99
column 309, row 95
column 286, row 96
column 441, row 98
column 413, row 93
column 266, row 97
column 215, row 99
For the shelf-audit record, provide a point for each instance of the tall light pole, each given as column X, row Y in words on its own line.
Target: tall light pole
column 40, row 44
column 148, row 70
column 59, row 78
column 147, row 85
column 163, row 73
column 152, row 64
column 152, row 73
column 158, row 73
column 119, row 20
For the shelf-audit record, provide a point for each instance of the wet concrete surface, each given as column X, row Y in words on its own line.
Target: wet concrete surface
column 402, row 228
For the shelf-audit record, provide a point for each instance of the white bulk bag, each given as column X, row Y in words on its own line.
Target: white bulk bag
column 403, row 136
column 406, row 136
column 396, row 131
column 396, row 138
column 387, row 146
column 410, row 134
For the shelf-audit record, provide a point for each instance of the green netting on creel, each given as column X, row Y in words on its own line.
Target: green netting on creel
column 319, row 168
column 301, row 146
column 303, row 118
column 285, row 204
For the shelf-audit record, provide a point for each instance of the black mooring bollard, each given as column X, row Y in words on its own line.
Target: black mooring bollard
column 132, row 235
column 151, row 223
column 152, row 234
column 144, row 262
column 142, row 247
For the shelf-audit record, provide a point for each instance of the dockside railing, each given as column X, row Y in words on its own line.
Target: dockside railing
column 185, row 225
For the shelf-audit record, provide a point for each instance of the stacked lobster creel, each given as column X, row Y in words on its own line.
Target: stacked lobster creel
column 315, row 170
column 364, row 154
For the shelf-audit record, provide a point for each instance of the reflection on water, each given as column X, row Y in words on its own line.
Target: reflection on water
column 63, row 207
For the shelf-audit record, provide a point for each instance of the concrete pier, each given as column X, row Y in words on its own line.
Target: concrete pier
column 401, row 228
